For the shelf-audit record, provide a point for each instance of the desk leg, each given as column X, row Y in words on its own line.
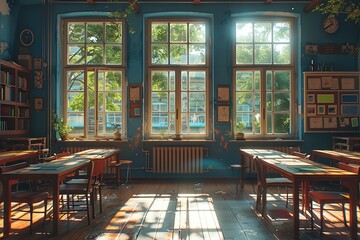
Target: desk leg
column 56, row 205
column 7, row 208
column 353, row 192
column 296, row 222
column 242, row 171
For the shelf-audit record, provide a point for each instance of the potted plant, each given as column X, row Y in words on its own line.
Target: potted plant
column 61, row 126
column 117, row 130
column 240, row 127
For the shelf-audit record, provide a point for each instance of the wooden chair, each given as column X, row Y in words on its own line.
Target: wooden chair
column 79, row 189
column 26, row 197
column 331, row 197
column 263, row 183
column 96, row 182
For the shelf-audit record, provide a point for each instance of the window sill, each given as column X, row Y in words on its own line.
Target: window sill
column 94, row 140
column 182, row 140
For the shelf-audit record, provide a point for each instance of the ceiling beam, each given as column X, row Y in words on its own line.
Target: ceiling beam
column 312, row 5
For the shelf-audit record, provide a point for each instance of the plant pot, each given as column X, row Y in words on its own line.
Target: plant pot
column 117, row 135
column 240, row 136
column 64, row 137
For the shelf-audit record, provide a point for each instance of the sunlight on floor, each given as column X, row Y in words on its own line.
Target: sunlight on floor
column 165, row 216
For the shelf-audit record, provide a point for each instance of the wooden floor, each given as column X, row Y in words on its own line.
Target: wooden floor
column 183, row 209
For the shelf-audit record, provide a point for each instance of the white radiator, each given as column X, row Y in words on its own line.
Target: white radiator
column 178, row 159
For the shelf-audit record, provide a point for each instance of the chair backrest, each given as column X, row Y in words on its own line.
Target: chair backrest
column 350, row 168
column 261, row 178
column 8, row 168
column 63, row 154
column 89, row 174
column 99, row 168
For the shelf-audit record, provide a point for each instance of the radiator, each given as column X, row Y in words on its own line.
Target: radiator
column 285, row 149
column 178, row 159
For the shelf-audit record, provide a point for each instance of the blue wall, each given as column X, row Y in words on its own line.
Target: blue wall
column 43, row 20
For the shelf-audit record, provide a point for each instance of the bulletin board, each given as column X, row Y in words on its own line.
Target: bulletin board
column 331, row 101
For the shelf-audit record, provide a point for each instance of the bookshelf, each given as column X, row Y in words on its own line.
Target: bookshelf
column 14, row 99
column 331, row 101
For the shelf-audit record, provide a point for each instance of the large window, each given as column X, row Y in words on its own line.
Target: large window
column 264, row 77
column 178, row 78
column 94, row 76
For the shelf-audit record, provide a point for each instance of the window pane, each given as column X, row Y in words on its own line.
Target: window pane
column 197, row 54
column 76, row 54
column 94, row 33
column 76, row 120
column 244, row 32
column 197, row 123
column 282, row 123
column 263, row 54
column 244, row 81
column 114, row 32
column 244, row 54
column 197, row 81
column 159, row 81
column 282, row 80
column 76, row 32
column 197, row 102
column 159, row 54
column 262, row 32
column 282, row 53
column 75, row 101
column 244, row 101
column 94, row 54
column 281, row 32
column 159, row 102
column 75, row 80
column 178, row 32
column 159, row 32
column 281, row 101
column 113, row 54
column 197, row 33
column 178, row 54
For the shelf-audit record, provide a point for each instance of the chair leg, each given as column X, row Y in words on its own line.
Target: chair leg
column 31, row 216
column 258, row 196
column 321, row 219
column 264, row 195
column 88, row 208
column 344, row 214
column 100, row 198
column 312, row 214
column 287, row 197
column 45, row 211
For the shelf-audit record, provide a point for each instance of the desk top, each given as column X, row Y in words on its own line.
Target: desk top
column 339, row 155
column 296, row 166
column 98, row 152
column 11, row 156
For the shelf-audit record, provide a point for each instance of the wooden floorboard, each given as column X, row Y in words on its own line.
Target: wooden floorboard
column 182, row 209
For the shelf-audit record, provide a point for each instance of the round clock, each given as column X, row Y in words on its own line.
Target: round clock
column 26, row 37
column 330, row 24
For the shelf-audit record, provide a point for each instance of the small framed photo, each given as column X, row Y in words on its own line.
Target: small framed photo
column 38, row 103
column 311, row 98
column 321, row 109
column 332, row 109
column 135, row 92
column 223, row 113
column 223, row 93
column 350, row 109
column 311, row 110
column 37, row 63
column 311, row 49
column 349, row 98
column 135, row 110
column 347, row 49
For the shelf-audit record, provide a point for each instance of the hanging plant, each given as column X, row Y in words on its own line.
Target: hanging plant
column 350, row 8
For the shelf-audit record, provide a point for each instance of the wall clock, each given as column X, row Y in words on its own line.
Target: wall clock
column 26, row 37
column 330, row 24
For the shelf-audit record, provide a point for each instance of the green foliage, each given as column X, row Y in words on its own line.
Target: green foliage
column 240, row 126
column 60, row 125
column 120, row 14
column 335, row 7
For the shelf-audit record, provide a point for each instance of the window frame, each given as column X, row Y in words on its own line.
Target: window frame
column 291, row 67
column 96, row 68
column 177, row 68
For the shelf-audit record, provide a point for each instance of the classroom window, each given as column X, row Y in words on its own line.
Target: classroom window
column 264, row 77
column 178, row 78
column 94, row 72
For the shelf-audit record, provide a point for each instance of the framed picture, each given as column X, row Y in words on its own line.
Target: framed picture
column 37, row 63
column 38, row 103
column 349, row 98
column 223, row 93
column 311, row 110
column 311, row 98
column 135, row 109
column 223, row 113
column 134, row 92
column 325, row 98
column 311, row 49
column 38, row 79
column 332, row 109
column 350, row 109
column 321, row 109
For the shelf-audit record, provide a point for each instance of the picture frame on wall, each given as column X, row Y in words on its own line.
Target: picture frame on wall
column 223, row 113
column 332, row 109
column 38, row 103
column 135, row 92
column 223, row 93
column 135, row 110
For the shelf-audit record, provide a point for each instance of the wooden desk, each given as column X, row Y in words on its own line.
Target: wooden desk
column 337, row 155
column 12, row 156
column 55, row 171
column 300, row 170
